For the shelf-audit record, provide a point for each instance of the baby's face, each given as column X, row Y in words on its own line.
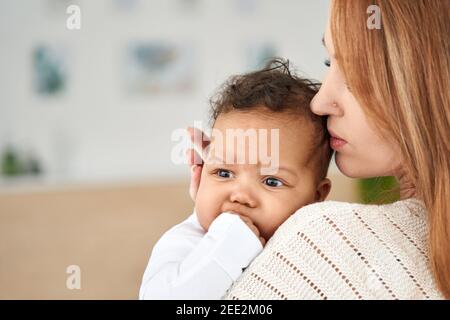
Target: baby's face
column 267, row 199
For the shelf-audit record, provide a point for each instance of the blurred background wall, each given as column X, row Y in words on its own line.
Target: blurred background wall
column 107, row 121
column 86, row 119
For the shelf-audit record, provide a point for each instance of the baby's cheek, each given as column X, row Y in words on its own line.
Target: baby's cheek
column 277, row 212
column 206, row 206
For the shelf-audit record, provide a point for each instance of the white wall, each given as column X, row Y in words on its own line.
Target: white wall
column 102, row 132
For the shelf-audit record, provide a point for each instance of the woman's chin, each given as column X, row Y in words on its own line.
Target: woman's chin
column 351, row 167
column 366, row 167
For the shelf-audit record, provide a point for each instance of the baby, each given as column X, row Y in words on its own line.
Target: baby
column 243, row 198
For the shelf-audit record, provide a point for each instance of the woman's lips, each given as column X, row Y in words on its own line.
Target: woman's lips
column 336, row 142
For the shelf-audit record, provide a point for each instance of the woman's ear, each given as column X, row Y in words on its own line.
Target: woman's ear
column 323, row 189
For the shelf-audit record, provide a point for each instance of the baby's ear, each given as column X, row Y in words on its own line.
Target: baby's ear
column 323, row 189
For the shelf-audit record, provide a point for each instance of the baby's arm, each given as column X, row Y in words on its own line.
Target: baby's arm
column 187, row 263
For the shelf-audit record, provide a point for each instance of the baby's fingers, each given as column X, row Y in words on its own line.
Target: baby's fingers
column 263, row 241
column 193, row 158
column 198, row 137
column 254, row 229
column 257, row 233
column 196, row 172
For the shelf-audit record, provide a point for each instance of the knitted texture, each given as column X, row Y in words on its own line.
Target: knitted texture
column 336, row 250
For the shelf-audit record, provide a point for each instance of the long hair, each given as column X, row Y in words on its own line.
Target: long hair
column 399, row 73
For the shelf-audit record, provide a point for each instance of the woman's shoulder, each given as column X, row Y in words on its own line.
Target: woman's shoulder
column 410, row 213
column 338, row 250
column 398, row 230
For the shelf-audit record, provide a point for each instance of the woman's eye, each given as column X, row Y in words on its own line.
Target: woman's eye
column 327, row 62
column 347, row 86
column 223, row 173
column 272, row 182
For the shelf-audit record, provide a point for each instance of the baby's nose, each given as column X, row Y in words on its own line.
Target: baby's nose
column 243, row 197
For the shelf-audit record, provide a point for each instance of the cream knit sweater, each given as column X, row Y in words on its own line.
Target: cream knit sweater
column 335, row 250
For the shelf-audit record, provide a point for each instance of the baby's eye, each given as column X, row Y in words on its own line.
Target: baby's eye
column 273, row 182
column 223, row 173
column 327, row 63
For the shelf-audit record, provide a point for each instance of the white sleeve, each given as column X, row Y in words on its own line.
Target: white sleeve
column 187, row 263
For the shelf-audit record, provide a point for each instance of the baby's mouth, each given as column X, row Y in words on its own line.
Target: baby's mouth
column 235, row 212
column 236, row 209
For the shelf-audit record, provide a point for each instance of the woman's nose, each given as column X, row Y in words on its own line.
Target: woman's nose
column 325, row 101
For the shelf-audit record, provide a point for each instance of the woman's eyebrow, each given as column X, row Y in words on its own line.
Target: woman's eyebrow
column 325, row 45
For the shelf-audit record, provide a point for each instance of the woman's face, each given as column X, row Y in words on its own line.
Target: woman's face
column 360, row 151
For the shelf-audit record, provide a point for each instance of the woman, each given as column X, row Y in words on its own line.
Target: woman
column 386, row 97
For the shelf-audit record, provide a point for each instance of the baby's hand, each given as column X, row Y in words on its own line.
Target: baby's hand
column 252, row 227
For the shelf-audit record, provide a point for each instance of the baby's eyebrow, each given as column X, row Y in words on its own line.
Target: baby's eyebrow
column 214, row 160
column 288, row 170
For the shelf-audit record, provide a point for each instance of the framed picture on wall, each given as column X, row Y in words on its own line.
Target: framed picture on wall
column 159, row 68
column 257, row 54
column 50, row 70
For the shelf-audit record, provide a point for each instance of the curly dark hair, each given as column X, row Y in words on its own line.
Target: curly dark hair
column 277, row 89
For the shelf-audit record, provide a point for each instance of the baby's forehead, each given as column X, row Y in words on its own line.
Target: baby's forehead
column 290, row 137
column 260, row 119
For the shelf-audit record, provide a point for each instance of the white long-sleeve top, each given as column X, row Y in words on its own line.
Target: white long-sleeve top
column 189, row 263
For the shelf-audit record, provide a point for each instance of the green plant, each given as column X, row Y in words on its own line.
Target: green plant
column 10, row 163
column 378, row 190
